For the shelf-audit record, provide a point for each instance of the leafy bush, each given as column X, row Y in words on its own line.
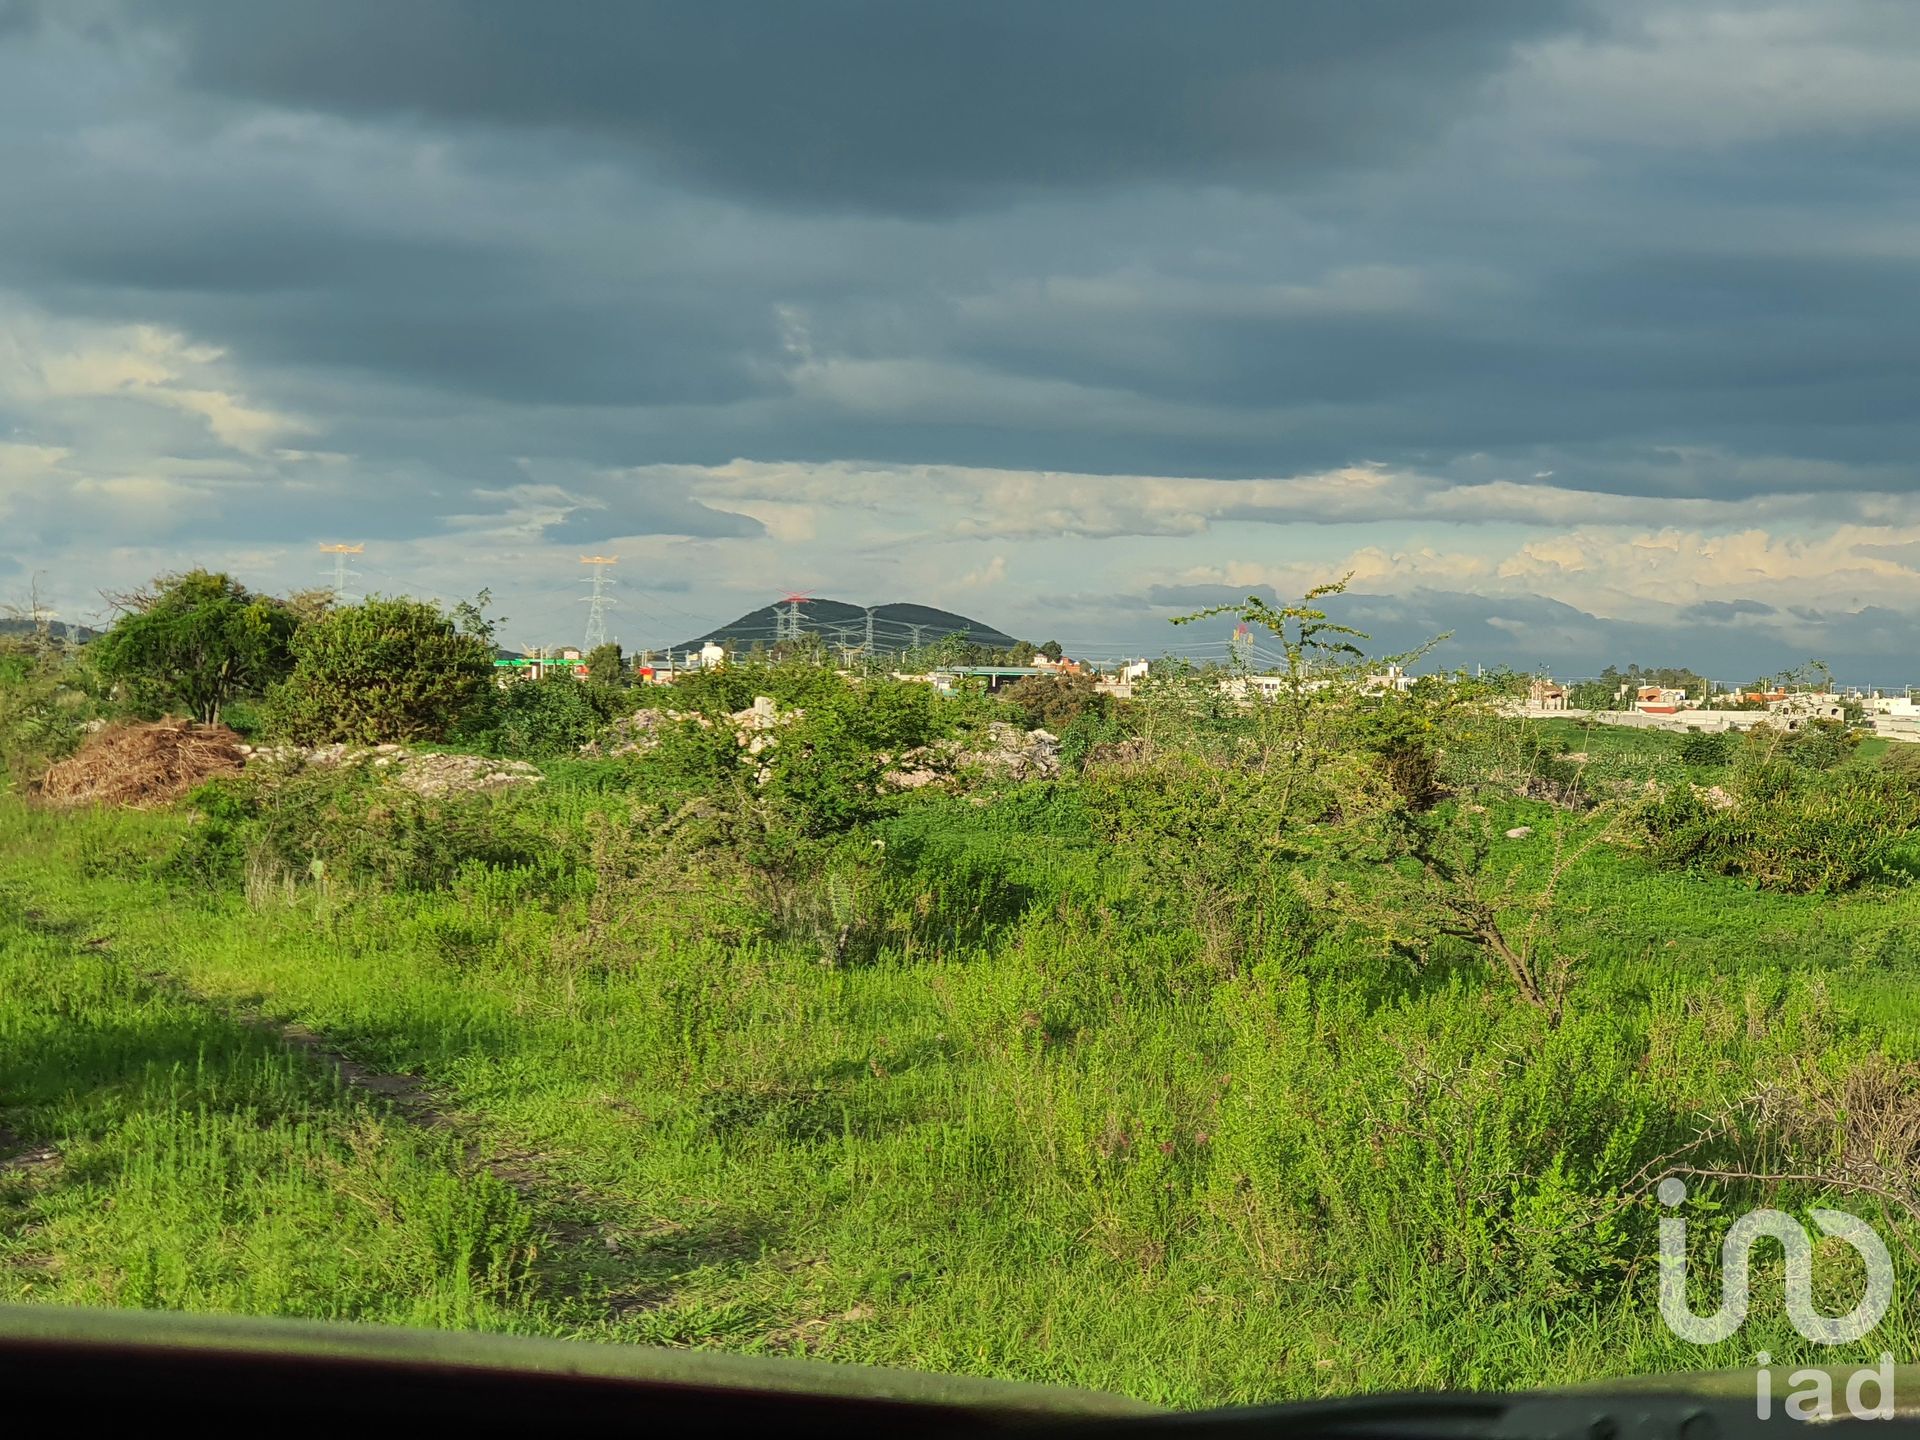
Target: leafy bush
column 46, row 699
column 896, row 715
column 1707, row 750
column 1055, row 702
column 533, row 720
column 1901, row 760
column 1783, row 831
column 1816, row 745
column 727, row 688
column 379, row 672
column 1086, row 732
column 1401, row 734
column 347, row 826
column 822, row 777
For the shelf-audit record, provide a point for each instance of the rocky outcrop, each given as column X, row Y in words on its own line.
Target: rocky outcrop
column 1003, row 752
column 424, row 773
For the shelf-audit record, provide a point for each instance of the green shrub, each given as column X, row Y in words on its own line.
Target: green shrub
column 1784, row 831
column 1707, row 750
column 822, row 777
column 896, row 715
column 727, row 688
column 347, row 825
column 1817, row 745
column 1086, row 732
column 1820, row 744
column 1401, row 734
column 1901, row 760
column 1055, row 702
column 379, row 672
column 46, row 699
column 538, row 719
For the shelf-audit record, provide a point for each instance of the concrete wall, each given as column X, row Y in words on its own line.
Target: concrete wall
column 1710, row 722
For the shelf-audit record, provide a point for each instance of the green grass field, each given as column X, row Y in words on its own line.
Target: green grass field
column 1050, row 1134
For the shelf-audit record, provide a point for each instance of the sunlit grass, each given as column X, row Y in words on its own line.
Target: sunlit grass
column 1063, row 1146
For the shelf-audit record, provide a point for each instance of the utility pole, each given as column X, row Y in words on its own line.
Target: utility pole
column 340, row 571
column 599, row 602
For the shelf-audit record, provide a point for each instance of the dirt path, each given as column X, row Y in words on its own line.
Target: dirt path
column 607, row 1257
column 577, row 1235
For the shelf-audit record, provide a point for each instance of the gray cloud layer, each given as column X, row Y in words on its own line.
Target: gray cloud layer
column 500, row 259
column 886, row 107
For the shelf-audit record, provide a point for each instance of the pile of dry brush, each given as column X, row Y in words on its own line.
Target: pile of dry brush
column 142, row 765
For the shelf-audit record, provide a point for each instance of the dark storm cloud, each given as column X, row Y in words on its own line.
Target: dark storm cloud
column 381, row 287
column 1536, row 632
column 1297, row 288
column 888, row 106
column 18, row 17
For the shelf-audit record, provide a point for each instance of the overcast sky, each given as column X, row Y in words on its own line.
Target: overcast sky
column 1586, row 331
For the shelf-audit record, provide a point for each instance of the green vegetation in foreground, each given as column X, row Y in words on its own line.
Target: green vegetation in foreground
column 185, row 1160
column 1045, row 1156
column 1325, row 1045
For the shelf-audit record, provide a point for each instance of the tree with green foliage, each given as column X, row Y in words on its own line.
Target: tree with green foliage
column 470, row 618
column 1600, row 694
column 606, row 665
column 195, row 641
column 381, row 671
column 1054, row 702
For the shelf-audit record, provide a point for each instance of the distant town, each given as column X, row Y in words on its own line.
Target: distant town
column 946, row 651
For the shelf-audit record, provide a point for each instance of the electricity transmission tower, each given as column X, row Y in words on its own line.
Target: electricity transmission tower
column 599, row 601
column 1242, row 646
column 786, row 623
column 868, row 643
column 844, row 635
column 341, row 574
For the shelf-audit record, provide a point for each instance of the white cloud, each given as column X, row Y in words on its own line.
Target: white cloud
column 46, row 364
column 972, row 503
column 993, row 573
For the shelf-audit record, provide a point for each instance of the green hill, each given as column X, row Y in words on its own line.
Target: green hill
column 897, row 626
